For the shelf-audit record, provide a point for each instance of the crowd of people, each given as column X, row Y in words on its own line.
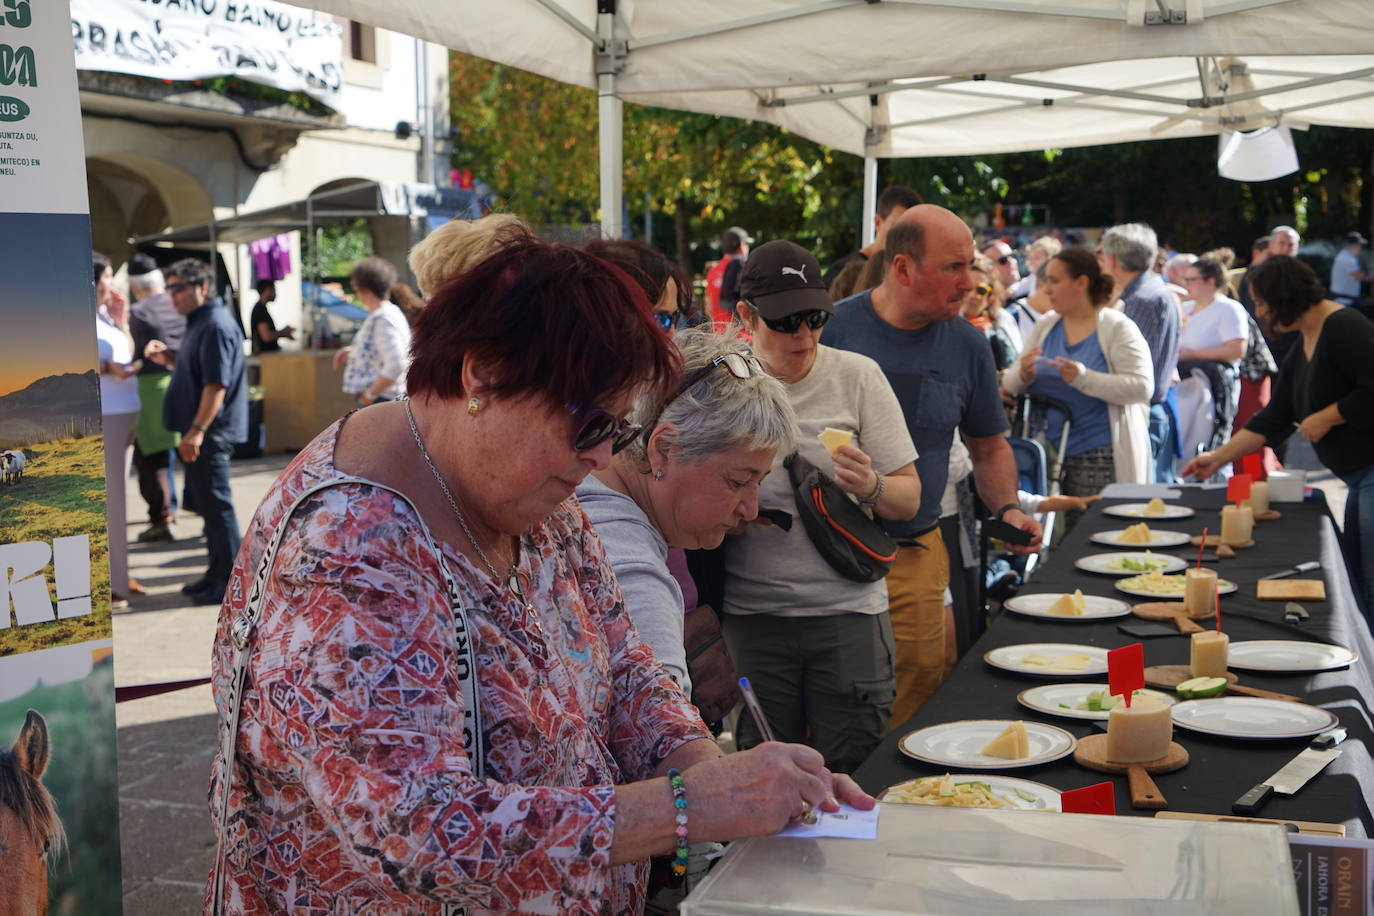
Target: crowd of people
column 463, row 641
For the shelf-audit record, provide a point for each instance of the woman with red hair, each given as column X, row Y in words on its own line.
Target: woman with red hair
column 431, row 694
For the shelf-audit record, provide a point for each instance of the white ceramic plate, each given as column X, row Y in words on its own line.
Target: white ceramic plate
column 1251, row 717
column 1043, row 797
column 1048, row 698
column 956, row 744
column 1112, row 538
column 1137, row 510
column 1225, row 586
column 1287, row 655
column 1095, row 607
column 1012, row 658
column 1109, row 564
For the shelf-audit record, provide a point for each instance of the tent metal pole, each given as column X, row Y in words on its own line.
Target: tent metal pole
column 571, row 21
column 611, row 122
column 868, row 230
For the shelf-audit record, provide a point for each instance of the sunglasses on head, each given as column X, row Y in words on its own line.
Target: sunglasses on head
column 788, row 324
column 738, row 365
column 595, row 426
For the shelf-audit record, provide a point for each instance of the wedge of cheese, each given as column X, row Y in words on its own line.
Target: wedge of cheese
column 1154, row 507
column 1069, row 605
column 1012, row 744
column 835, row 439
column 1136, row 534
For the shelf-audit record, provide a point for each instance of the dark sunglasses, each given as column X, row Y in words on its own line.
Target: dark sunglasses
column 739, row 365
column 666, row 320
column 595, row 426
column 178, row 287
column 982, row 289
column 1004, row 259
column 788, row 324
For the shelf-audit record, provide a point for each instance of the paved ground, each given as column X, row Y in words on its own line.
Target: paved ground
column 166, row 742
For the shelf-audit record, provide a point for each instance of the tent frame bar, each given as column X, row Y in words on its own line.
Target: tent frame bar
column 568, row 19
column 871, row 89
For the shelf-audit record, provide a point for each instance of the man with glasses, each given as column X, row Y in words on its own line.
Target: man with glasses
column 1127, row 252
column 941, row 368
column 207, row 402
column 1001, row 254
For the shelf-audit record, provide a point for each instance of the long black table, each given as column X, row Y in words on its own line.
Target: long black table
column 1220, row 769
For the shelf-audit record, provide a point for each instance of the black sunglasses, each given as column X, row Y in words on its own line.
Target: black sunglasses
column 178, row 287
column 595, row 426
column 1004, row 259
column 666, row 320
column 739, row 365
column 788, row 324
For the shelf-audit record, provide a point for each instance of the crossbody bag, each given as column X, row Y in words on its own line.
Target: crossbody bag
column 244, row 625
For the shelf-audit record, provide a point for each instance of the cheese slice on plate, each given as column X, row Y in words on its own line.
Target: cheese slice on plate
column 1069, row 605
column 1154, row 507
column 835, row 439
column 1136, row 534
column 1012, row 744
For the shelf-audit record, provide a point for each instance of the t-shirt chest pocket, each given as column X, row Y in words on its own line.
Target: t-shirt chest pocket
column 939, row 404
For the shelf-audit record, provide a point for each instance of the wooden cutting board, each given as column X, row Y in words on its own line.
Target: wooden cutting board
column 1290, row 590
column 1091, row 752
column 1314, row 828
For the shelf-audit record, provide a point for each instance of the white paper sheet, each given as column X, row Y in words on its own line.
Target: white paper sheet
column 847, row 823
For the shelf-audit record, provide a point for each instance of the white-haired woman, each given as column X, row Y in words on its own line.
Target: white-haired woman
column 690, row 476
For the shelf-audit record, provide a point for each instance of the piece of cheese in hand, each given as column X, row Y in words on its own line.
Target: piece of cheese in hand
column 835, row 439
column 1136, row 534
column 1012, row 744
column 1154, row 507
column 1070, row 605
column 1139, row 733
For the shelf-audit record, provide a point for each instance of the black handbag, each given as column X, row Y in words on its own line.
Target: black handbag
column 851, row 541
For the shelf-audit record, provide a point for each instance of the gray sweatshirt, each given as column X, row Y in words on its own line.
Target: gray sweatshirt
column 639, row 556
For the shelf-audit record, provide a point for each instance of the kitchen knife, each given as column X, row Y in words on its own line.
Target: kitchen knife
column 1295, row 774
column 1309, row 566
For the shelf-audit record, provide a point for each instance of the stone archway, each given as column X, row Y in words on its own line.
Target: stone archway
column 134, row 195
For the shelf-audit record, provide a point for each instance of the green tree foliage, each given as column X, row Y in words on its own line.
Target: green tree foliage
column 535, row 142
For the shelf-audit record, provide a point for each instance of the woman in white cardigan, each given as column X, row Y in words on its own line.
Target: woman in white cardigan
column 1095, row 360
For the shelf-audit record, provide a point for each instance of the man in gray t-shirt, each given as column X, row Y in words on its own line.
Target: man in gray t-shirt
column 941, row 369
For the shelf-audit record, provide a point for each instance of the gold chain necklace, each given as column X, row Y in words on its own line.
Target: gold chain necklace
column 512, row 575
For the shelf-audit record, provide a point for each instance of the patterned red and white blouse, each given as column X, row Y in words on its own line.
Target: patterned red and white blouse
column 352, row 791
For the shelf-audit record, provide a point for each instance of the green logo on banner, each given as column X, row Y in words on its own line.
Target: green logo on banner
column 12, row 109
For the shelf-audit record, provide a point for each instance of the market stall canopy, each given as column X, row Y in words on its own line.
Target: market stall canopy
column 359, row 199
column 939, row 77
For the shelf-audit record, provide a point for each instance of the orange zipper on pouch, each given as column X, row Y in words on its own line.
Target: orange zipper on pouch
column 860, row 545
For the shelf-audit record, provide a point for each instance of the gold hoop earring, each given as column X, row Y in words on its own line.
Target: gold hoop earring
column 474, row 407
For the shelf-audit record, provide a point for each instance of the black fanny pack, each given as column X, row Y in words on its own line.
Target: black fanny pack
column 853, row 544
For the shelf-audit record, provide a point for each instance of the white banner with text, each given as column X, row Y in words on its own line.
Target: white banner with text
column 260, row 41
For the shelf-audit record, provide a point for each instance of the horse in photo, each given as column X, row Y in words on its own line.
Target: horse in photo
column 31, row 834
column 13, row 466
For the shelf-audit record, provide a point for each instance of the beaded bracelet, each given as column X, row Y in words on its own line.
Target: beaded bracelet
column 680, row 804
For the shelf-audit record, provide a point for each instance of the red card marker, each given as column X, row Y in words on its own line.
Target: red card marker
column 1253, row 465
column 1126, row 671
column 1095, row 799
column 1218, row 590
column 1238, row 488
column 1201, row 547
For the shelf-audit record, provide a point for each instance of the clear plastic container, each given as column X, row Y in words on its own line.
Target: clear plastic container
column 951, row 861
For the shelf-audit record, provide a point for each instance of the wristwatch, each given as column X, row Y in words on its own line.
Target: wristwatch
column 1003, row 511
column 198, row 428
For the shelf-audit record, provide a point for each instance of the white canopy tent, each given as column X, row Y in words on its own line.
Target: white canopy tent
column 900, row 78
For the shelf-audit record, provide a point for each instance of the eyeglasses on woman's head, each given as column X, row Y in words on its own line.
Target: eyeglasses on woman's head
column 738, row 364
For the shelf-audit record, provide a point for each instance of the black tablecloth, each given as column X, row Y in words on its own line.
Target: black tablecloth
column 1220, row 769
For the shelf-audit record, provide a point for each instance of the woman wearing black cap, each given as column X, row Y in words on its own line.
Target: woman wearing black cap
column 816, row 646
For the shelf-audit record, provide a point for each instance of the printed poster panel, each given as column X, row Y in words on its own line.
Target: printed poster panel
column 59, row 802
